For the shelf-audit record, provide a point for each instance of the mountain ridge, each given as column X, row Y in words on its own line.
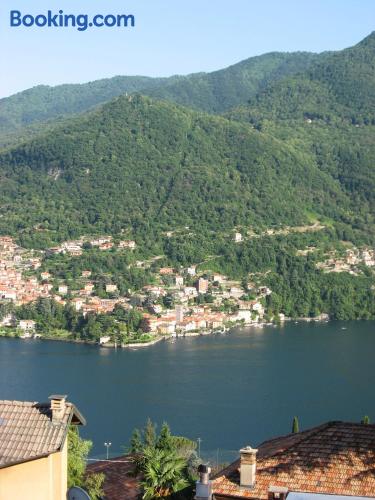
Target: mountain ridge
column 41, row 104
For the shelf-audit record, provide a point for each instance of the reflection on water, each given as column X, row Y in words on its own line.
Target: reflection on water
column 230, row 390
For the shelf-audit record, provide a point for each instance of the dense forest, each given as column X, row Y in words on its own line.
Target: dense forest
column 27, row 113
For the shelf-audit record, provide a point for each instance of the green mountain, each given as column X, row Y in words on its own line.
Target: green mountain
column 338, row 88
column 222, row 90
column 27, row 113
column 138, row 162
column 328, row 112
column 43, row 103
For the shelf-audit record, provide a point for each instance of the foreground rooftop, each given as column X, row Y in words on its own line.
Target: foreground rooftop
column 335, row 458
column 30, row 430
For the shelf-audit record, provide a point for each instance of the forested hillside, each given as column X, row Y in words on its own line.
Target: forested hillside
column 27, row 113
column 138, row 162
column 328, row 112
column 339, row 88
column 43, row 103
column 222, row 90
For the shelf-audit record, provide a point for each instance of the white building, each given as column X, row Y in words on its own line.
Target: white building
column 127, row 244
column 191, row 270
column 27, row 325
column 179, row 314
column 190, row 291
column 179, row 281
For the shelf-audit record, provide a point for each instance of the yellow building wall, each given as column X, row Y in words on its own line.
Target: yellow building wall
column 43, row 479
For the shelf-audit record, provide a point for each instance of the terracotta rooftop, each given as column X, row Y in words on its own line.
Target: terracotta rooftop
column 28, row 432
column 334, row 458
column 120, row 482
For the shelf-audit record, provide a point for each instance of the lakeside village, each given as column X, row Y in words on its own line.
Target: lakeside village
column 180, row 302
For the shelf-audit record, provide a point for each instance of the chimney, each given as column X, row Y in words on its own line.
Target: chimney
column 57, row 407
column 248, row 466
column 204, row 485
column 277, row 493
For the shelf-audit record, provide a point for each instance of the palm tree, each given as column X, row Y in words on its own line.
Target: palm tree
column 163, row 472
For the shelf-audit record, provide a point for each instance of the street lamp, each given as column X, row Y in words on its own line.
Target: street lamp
column 199, row 447
column 107, row 445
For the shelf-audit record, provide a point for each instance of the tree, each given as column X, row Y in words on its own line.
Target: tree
column 136, row 445
column 163, row 472
column 165, row 440
column 167, row 462
column 295, row 426
column 149, row 434
column 78, row 450
column 366, row 420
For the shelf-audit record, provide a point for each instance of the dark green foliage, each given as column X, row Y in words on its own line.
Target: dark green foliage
column 136, row 442
column 106, row 267
column 53, row 319
column 148, row 167
column 41, row 104
column 222, row 90
column 27, row 113
column 149, row 434
column 338, row 87
column 164, row 461
column 78, row 450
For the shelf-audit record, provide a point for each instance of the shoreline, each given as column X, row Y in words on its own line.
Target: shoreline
column 173, row 337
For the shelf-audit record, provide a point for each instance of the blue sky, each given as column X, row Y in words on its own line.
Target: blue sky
column 171, row 36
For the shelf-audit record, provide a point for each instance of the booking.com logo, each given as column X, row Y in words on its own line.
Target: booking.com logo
column 79, row 21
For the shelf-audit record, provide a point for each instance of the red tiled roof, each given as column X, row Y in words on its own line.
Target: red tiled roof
column 27, row 431
column 334, row 458
column 120, row 482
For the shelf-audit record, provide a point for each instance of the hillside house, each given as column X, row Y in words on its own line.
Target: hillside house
column 97, row 242
column 34, row 449
column 130, row 244
column 218, row 278
column 179, row 281
column 77, row 303
column 8, row 320
column 190, row 291
column 106, row 246
column 27, row 325
column 63, row 289
column 191, row 270
column 202, row 285
column 89, row 287
column 8, row 293
column 166, row 271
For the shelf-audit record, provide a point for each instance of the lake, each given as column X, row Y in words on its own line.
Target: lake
column 229, row 390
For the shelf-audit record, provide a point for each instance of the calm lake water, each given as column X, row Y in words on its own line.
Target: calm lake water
column 229, row 390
